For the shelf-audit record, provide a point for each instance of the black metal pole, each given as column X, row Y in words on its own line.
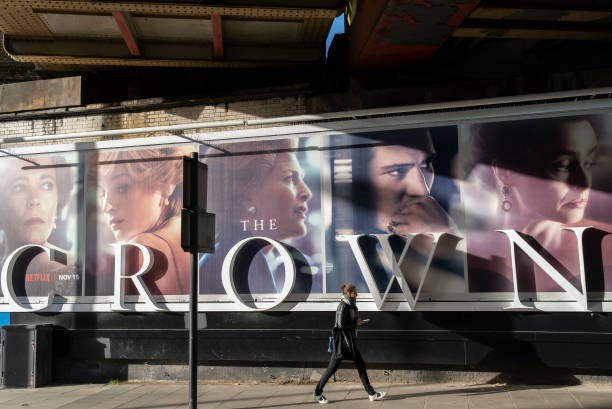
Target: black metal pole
column 193, row 302
column 193, row 332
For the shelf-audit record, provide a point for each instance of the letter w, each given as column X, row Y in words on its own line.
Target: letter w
column 386, row 256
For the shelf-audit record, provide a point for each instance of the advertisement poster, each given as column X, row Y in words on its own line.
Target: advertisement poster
column 397, row 183
column 39, row 208
column 477, row 214
column 543, row 178
column 268, row 188
column 135, row 196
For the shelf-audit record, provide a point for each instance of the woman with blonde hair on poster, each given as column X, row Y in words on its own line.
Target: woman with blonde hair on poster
column 256, row 189
column 140, row 194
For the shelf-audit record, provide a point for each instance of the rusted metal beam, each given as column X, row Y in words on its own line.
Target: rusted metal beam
column 542, row 15
column 169, row 54
column 123, row 21
column 393, row 33
column 181, row 9
column 532, row 34
column 217, row 31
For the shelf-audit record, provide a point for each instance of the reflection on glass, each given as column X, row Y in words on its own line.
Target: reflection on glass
column 259, row 189
column 536, row 176
column 387, row 183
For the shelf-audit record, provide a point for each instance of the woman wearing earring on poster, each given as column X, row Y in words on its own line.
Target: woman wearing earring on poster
column 140, row 194
column 35, row 194
column 256, row 189
column 539, row 173
column 345, row 344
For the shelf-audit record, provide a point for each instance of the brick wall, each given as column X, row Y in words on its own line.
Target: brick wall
column 160, row 112
column 148, row 113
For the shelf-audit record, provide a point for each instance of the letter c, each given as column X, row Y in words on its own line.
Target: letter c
column 6, row 277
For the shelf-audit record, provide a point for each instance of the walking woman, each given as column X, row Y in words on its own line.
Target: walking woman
column 345, row 344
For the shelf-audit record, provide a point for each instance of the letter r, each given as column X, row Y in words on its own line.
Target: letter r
column 120, row 277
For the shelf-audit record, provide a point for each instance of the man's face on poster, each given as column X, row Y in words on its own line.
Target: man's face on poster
column 401, row 178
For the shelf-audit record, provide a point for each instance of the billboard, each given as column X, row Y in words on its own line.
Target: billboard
column 135, row 196
column 39, row 208
column 265, row 189
column 481, row 214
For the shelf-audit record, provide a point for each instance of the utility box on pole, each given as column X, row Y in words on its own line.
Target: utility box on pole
column 197, row 225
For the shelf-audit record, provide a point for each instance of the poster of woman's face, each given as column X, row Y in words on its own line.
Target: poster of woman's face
column 38, row 207
column 540, row 177
column 135, row 197
column 264, row 189
column 396, row 182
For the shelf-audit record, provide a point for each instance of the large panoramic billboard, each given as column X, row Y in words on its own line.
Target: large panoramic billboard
column 487, row 215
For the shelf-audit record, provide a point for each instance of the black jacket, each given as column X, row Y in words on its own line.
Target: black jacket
column 344, row 331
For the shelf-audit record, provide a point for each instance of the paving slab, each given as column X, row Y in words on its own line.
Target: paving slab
column 342, row 395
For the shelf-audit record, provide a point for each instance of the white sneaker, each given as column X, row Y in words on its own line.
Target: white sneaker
column 320, row 398
column 377, row 396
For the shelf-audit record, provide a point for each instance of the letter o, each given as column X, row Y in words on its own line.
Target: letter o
column 227, row 272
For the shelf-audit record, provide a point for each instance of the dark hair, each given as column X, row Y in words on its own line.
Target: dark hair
column 515, row 144
column 64, row 184
column 64, row 178
column 348, row 288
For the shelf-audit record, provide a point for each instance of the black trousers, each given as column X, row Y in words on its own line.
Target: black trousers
column 334, row 364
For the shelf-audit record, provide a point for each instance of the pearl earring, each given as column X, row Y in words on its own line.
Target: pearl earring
column 506, row 204
column 252, row 209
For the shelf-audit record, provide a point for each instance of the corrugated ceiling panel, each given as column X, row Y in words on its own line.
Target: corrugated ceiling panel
column 23, row 22
column 272, row 32
column 173, row 28
column 81, row 25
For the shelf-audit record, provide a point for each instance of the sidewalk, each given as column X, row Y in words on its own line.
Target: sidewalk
column 169, row 395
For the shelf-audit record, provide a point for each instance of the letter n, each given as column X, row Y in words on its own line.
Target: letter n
column 518, row 242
